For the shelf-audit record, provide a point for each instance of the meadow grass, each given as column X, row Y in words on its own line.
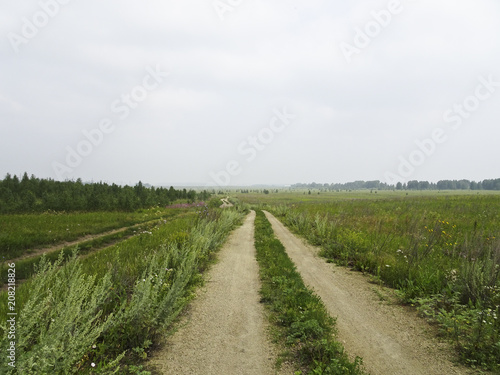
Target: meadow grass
column 291, row 196
column 26, row 267
column 102, row 313
column 305, row 327
column 21, row 233
column 441, row 251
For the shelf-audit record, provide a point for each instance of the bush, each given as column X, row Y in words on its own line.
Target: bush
column 61, row 321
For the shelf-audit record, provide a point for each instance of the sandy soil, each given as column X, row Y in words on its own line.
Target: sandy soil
column 390, row 338
column 225, row 329
column 226, row 203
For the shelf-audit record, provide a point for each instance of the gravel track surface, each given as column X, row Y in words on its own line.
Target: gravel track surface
column 225, row 329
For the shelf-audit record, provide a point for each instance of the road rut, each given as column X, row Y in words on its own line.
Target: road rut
column 391, row 339
column 225, row 331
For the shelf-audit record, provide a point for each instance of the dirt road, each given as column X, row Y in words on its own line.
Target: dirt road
column 225, row 330
column 226, row 203
column 389, row 338
column 89, row 237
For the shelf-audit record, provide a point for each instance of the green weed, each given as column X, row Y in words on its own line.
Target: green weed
column 102, row 313
column 305, row 325
column 21, row 233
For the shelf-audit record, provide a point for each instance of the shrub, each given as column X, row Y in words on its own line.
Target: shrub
column 101, row 313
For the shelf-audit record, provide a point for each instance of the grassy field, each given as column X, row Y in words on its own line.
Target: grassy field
column 441, row 250
column 102, row 313
column 104, row 310
column 285, row 196
column 21, row 233
column 26, row 266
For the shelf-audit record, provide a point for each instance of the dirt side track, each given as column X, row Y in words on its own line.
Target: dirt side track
column 225, row 330
column 389, row 338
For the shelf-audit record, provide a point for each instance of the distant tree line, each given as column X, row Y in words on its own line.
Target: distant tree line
column 410, row 185
column 356, row 185
column 31, row 194
column 265, row 191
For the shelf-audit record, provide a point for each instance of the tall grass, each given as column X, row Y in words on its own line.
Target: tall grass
column 25, row 267
column 100, row 314
column 20, row 233
column 442, row 254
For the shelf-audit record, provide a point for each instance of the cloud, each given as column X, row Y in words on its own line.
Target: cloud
column 228, row 76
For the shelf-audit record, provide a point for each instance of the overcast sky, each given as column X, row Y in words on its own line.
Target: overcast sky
column 250, row 92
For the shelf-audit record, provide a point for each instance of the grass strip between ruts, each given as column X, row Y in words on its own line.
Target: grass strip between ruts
column 303, row 323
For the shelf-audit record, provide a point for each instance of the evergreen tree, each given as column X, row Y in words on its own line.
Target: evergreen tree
column 35, row 195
